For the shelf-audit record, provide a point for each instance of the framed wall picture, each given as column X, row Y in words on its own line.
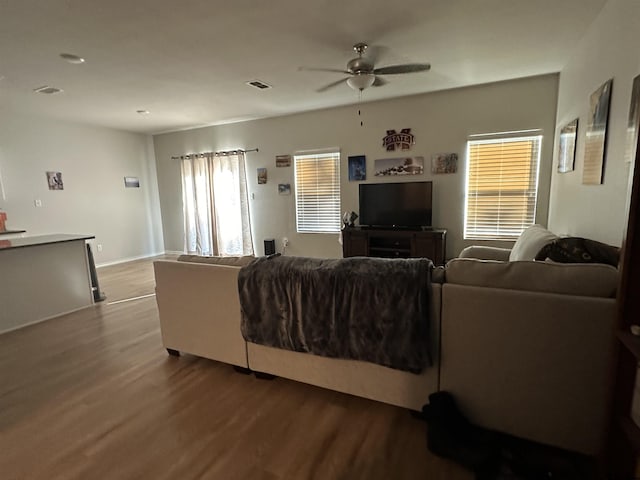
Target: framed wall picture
column 444, row 163
column 634, row 121
column 357, row 168
column 283, row 160
column 54, row 180
column 567, row 147
column 131, row 182
column 399, row 166
column 596, row 135
column 262, row 176
column 284, row 189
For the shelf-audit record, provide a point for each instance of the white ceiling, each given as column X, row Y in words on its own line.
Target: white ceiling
column 187, row 61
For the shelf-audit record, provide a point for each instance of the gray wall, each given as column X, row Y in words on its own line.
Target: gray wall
column 608, row 50
column 93, row 162
column 440, row 121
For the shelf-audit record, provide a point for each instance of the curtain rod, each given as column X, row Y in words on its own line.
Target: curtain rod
column 221, row 153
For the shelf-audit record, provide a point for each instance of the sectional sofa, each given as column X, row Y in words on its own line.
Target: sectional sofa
column 525, row 347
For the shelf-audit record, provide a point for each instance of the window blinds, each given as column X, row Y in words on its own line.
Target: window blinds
column 502, row 186
column 317, row 182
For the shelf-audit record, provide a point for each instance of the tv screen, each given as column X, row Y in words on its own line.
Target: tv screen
column 405, row 204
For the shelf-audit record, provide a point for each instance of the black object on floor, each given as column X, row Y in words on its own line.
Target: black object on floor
column 98, row 296
column 495, row 456
column 243, row 370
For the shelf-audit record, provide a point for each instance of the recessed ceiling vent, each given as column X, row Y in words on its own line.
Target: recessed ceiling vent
column 258, row 84
column 48, row 90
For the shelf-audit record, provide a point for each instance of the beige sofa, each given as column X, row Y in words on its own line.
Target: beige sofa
column 200, row 314
column 525, row 347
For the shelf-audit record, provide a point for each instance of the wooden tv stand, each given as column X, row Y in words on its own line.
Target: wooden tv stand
column 370, row 242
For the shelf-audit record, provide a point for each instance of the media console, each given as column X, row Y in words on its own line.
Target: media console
column 394, row 243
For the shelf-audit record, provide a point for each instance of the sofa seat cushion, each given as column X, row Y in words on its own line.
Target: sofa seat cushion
column 229, row 261
column 530, row 242
column 595, row 280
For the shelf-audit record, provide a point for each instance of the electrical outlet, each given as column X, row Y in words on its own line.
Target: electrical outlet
column 99, row 247
column 37, row 202
column 285, row 242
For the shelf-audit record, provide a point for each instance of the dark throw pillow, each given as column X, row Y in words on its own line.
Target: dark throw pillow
column 579, row 250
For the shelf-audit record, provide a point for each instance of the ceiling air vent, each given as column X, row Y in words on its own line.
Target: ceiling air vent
column 258, row 84
column 47, row 89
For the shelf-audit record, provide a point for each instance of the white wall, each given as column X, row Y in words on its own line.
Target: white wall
column 608, row 50
column 441, row 122
column 93, row 162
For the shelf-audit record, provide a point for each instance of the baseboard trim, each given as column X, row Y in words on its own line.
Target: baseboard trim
column 131, row 259
column 40, row 320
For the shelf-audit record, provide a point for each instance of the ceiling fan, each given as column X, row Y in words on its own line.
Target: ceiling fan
column 362, row 72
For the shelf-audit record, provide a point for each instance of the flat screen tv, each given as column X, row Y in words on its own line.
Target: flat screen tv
column 399, row 205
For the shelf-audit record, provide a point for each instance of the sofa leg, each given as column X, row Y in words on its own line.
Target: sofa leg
column 243, row 370
column 264, row 376
column 172, row 352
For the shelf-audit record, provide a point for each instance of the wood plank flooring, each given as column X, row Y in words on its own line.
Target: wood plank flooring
column 94, row 395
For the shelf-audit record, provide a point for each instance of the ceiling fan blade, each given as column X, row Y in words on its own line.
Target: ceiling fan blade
column 406, row 68
column 331, row 85
column 312, row 69
column 379, row 81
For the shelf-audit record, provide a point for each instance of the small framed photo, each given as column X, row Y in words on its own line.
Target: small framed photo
column 284, row 189
column 131, row 182
column 357, row 168
column 54, row 179
column 567, row 147
column 444, row 163
column 262, row 176
column 283, row 160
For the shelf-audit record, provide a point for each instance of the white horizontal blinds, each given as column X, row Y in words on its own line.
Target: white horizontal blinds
column 317, row 178
column 502, row 186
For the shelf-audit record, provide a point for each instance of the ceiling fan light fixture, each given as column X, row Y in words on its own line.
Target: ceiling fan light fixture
column 360, row 81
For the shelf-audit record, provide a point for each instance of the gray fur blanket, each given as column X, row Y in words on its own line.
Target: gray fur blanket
column 370, row 309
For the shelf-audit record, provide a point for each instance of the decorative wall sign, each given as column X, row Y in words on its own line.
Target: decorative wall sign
column 284, row 189
column 262, row 176
column 567, row 147
column 444, row 163
column 596, row 141
column 399, row 166
column 634, row 121
column 401, row 141
column 357, row 168
column 54, row 179
column 283, row 160
column 131, row 182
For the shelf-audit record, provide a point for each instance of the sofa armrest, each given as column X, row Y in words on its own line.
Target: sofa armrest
column 486, row 253
column 199, row 310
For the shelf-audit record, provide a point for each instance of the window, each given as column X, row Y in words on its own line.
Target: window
column 215, row 205
column 317, row 178
column 502, row 187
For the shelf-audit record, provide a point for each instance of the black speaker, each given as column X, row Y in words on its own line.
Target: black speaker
column 98, row 296
column 269, row 246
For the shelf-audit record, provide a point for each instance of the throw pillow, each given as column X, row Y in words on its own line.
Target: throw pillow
column 530, row 243
column 579, row 250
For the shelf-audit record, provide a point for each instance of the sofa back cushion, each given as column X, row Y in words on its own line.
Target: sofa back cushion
column 595, row 280
column 530, row 242
column 229, row 261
